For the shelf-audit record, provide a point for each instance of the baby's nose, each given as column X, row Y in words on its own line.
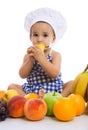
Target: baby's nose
column 40, row 38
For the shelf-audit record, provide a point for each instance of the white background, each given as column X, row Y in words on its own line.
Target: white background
column 14, row 39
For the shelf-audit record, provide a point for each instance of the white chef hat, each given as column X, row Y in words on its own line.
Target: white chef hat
column 50, row 16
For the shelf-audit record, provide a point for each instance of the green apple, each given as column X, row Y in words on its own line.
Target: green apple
column 50, row 98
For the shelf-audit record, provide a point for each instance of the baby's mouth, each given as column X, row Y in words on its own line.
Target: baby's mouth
column 47, row 47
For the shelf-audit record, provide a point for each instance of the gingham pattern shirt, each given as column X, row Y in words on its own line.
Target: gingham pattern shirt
column 38, row 79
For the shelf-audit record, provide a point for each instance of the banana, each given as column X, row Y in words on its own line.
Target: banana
column 76, row 82
column 80, row 83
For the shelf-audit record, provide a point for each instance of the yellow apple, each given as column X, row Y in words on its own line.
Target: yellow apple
column 41, row 46
column 9, row 94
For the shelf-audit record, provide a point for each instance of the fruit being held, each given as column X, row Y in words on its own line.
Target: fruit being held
column 9, row 94
column 50, row 99
column 35, row 109
column 41, row 46
column 15, row 106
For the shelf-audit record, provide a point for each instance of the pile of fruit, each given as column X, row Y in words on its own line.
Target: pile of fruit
column 35, row 107
column 31, row 106
column 4, row 97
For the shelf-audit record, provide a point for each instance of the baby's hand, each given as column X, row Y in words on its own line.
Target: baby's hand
column 29, row 49
column 30, row 52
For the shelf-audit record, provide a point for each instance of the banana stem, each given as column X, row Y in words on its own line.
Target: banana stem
column 86, row 68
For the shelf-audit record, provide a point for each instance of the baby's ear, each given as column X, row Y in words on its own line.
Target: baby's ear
column 54, row 39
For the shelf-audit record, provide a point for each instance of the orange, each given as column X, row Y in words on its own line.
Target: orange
column 64, row 110
column 31, row 95
column 2, row 93
column 79, row 103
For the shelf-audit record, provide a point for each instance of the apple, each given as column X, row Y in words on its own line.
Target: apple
column 50, row 98
column 9, row 94
column 41, row 46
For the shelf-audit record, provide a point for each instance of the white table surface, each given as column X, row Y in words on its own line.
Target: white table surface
column 48, row 123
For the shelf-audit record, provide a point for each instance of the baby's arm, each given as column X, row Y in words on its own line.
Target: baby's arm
column 52, row 69
column 26, row 67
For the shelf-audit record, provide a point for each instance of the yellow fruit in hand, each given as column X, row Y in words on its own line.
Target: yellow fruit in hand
column 41, row 46
column 9, row 94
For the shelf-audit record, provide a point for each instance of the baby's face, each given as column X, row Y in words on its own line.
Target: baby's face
column 42, row 32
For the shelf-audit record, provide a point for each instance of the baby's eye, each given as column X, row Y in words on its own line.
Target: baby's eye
column 45, row 35
column 35, row 34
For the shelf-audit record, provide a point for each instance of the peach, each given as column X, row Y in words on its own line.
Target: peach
column 15, row 106
column 35, row 109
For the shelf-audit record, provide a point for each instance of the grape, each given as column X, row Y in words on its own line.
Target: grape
column 2, row 117
column 3, row 110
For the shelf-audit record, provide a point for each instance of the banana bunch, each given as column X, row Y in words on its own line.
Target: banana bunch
column 80, row 84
